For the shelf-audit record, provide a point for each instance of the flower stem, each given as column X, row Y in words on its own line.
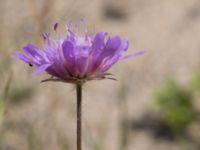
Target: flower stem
column 79, row 113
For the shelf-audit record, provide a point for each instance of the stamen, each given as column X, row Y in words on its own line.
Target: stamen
column 55, row 26
column 46, row 35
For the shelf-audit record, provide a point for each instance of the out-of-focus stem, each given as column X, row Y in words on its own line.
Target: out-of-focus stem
column 79, row 115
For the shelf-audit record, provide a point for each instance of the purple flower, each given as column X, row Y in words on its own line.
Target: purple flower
column 76, row 57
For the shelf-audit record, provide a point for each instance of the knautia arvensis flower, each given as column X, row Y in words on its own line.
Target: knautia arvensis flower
column 78, row 56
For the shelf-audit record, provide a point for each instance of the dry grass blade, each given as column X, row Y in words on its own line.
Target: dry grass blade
column 4, row 98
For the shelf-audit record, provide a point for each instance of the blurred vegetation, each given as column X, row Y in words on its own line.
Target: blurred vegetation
column 176, row 107
column 195, row 81
column 13, row 91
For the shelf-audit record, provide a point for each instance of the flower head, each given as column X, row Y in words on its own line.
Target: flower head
column 76, row 57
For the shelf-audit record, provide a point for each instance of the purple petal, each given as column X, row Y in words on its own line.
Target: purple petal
column 52, row 71
column 98, row 41
column 124, row 46
column 132, row 55
column 68, row 52
column 49, row 51
column 22, row 57
column 111, row 47
column 113, row 44
column 108, row 64
column 60, row 69
column 32, row 50
column 41, row 69
column 82, row 65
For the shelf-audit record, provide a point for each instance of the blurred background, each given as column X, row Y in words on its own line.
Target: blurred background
column 154, row 105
